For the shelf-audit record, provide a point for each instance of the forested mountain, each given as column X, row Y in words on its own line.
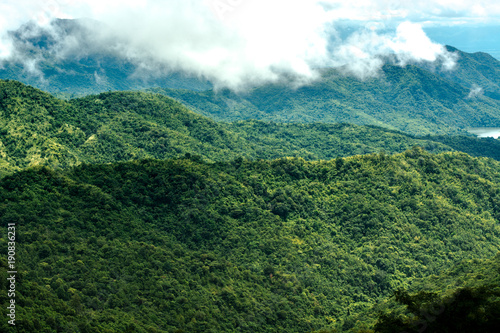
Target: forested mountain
column 344, row 205
column 478, row 71
column 419, row 98
column 253, row 246
column 88, row 69
column 38, row 129
column 410, row 99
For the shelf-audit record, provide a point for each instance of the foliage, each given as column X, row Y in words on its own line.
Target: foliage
column 38, row 129
column 488, row 147
column 465, row 298
column 254, row 246
column 411, row 99
column 466, row 310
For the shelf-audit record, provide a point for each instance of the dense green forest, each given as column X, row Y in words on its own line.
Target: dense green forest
column 464, row 298
column 441, row 306
column 411, row 99
column 283, row 245
column 39, row 129
column 273, row 210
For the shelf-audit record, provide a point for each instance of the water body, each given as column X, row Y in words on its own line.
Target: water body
column 485, row 132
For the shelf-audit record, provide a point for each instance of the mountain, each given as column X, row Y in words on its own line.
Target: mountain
column 479, row 71
column 251, row 246
column 45, row 58
column 410, row 99
column 133, row 213
column 39, row 129
column 417, row 99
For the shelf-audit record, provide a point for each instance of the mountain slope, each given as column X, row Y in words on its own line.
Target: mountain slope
column 479, row 72
column 45, row 59
column 264, row 246
column 38, row 129
column 410, row 99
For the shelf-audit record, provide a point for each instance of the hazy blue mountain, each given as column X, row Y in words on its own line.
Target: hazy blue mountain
column 480, row 72
column 82, row 71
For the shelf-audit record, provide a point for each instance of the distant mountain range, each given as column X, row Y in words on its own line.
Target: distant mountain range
column 86, row 70
column 410, row 99
column 419, row 98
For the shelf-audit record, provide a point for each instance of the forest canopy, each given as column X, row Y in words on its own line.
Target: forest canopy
column 255, row 246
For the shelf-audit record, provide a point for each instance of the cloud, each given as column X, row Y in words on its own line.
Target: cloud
column 237, row 43
column 6, row 48
column 364, row 52
column 428, row 11
column 475, row 91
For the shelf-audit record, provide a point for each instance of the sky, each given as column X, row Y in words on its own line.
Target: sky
column 236, row 43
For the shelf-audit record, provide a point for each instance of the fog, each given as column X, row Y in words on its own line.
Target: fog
column 232, row 43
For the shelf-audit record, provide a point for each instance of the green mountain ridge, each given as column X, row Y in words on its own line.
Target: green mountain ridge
column 410, row 99
column 475, row 71
column 252, row 246
column 38, row 129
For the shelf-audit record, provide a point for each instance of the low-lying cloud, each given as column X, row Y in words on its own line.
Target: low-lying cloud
column 232, row 43
column 364, row 52
column 475, row 91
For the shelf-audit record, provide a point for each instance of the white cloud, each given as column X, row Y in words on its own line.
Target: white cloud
column 364, row 52
column 240, row 42
column 475, row 91
column 411, row 40
column 5, row 48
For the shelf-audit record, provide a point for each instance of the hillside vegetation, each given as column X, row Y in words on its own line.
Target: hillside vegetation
column 474, row 70
column 254, row 246
column 38, row 129
column 410, row 99
column 464, row 298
